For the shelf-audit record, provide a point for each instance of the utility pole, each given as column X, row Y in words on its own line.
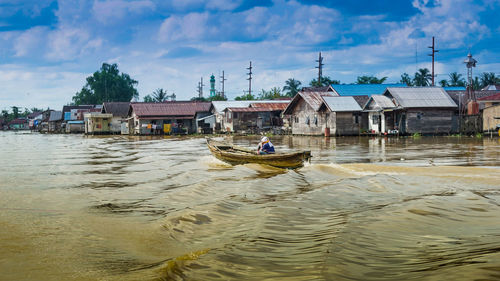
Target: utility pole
column 222, row 79
column 432, row 55
column 200, row 88
column 249, row 78
column 320, row 68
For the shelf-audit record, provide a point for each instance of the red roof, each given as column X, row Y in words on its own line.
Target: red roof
column 170, row 108
column 495, row 97
column 272, row 106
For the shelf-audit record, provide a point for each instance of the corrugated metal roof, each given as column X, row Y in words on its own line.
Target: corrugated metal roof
column 55, row 116
column 342, row 104
column 68, row 108
column 118, row 109
column 170, row 108
column 495, row 87
column 363, row 89
column 381, row 102
column 249, row 109
column 314, row 99
column 495, row 97
column 277, row 106
column 220, row 106
column 412, row 97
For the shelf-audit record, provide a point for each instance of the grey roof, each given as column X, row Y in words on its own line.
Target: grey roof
column 342, row 104
column 220, row 106
column 55, row 116
column 118, row 109
column 416, row 97
column 380, row 102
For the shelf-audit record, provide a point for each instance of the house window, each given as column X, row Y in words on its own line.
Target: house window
column 356, row 118
column 235, row 115
column 315, row 120
column 296, row 119
column 375, row 119
column 307, row 120
column 419, row 115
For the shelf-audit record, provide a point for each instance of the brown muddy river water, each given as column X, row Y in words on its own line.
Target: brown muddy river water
column 119, row 208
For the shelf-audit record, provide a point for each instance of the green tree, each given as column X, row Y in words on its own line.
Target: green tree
column 489, row 78
column 422, row 77
column 148, row 98
column 456, row 80
column 274, row 93
column 405, row 79
column 370, row 80
column 15, row 112
column 5, row 114
column 292, row 87
column 106, row 85
column 217, row 98
column 247, row 96
column 325, row 81
column 443, row 83
column 159, row 95
column 476, row 84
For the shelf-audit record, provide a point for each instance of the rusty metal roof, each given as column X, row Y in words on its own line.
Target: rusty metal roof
column 495, row 97
column 314, row 99
column 170, row 108
column 272, row 106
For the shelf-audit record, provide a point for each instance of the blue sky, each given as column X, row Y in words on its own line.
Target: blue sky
column 48, row 48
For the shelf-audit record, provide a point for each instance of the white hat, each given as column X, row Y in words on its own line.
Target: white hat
column 264, row 139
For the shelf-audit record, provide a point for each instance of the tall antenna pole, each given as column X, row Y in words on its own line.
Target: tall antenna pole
column 320, row 68
column 200, row 88
column 249, row 78
column 432, row 55
column 222, row 79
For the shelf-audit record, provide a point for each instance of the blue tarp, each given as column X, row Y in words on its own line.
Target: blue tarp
column 67, row 115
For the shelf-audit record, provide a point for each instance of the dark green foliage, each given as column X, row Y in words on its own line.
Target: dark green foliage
column 456, row 80
column 292, row 87
column 107, row 85
column 370, row 80
column 325, row 81
column 245, row 97
column 422, row 78
column 405, row 79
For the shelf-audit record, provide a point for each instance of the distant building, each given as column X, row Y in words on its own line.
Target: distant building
column 19, row 124
column 258, row 117
column 166, row 118
column 119, row 110
column 97, row 123
column 348, row 115
column 55, row 122
column 491, row 119
column 424, row 110
column 380, row 111
column 309, row 114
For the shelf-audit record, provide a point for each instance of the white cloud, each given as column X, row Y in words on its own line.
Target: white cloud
column 30, row 42
column 69, row 43
column 111, row 11
column 191, row 26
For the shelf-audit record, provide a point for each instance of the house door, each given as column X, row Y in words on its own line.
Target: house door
column 259, row 122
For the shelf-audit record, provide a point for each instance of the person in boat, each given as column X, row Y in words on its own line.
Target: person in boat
column 265, row 146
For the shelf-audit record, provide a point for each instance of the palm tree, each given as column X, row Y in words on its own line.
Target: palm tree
column 159, row 95
column 422, row 77
column 443, row 83
column 456, row 80
column 405, row 79
column 292, row 87
column 325, row 81
column 370, row 80
column 489, row 78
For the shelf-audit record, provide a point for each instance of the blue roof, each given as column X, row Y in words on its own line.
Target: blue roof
column 362, row 89
column 454, row 88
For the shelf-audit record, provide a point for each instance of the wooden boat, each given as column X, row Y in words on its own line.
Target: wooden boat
column 233, row 154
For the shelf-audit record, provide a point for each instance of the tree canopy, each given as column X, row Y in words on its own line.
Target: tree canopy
column 292, row 87
column 246, row 96
column 422, row 77
column 370, row 80
column 325, row 81
column 107, row 85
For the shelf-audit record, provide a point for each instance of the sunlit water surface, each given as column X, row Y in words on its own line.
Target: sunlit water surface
column 128, row 208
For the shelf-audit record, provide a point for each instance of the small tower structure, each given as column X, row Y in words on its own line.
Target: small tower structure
column 212, row 86
column 472, row 106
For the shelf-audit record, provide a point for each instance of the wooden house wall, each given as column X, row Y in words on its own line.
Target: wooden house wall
column 489, row 121
column 348, row 124
column 429, row 121
column 116, row 125
column 304, row 117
